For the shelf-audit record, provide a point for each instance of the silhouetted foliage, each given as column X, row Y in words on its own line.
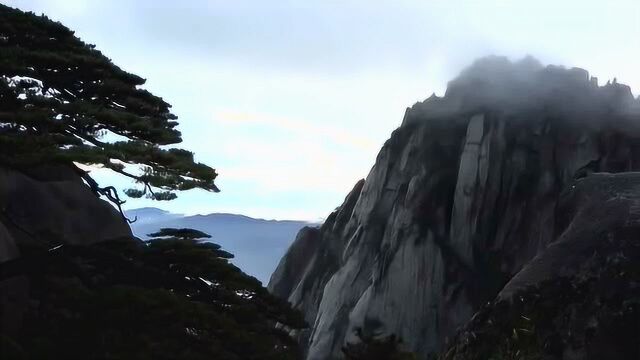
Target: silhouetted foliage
column 370, row 346
column 61, row 100
column 163, row 299
column 179, row 234
column 592, row 315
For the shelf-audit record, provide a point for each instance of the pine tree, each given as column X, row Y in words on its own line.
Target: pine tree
column 63, row 101
column 173, row 297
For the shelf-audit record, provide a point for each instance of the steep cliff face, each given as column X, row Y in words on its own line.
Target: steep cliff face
column 461, row 197
column 580, row 297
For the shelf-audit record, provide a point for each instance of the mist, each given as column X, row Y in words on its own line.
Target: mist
column 526, row 86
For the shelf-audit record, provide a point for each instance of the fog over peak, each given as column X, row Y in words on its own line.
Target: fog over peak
column 495, row 83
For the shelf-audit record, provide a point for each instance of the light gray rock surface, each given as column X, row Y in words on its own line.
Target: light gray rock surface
column 461, row 197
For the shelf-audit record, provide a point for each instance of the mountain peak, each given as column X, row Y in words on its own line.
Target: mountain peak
column 475, row 187
column 495, row 83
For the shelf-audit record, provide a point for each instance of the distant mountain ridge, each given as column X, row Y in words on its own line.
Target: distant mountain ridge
column 257, row 244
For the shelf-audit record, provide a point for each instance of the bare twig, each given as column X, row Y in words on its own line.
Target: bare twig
column 109, row 192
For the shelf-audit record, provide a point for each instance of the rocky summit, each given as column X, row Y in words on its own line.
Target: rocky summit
column 503, row 185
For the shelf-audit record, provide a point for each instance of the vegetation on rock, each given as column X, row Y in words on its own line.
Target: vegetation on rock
column 170, row 298
column 175, row 297
column 592, row 315
column 61, row 100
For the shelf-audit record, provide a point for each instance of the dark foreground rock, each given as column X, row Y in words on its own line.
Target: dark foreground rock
column 45, row 207
column 462, row 197
column 51, row 205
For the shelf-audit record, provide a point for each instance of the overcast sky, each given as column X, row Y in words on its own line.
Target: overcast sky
column 291, row 100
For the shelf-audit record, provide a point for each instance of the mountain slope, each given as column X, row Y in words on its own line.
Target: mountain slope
column 256, row 243
column 461, row 197
column 580, row 297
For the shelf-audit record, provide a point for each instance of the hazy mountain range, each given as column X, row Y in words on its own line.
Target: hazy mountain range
column 257, row 244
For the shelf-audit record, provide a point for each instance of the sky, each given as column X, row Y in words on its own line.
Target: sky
column 291, row 100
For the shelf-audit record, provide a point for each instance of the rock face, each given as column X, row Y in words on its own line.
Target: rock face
column 580, row 297
column 51, row 205
column 47, row 207
column 462, row 196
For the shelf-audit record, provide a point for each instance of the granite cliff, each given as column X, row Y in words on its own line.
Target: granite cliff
column 580, row 297
column 461, row 199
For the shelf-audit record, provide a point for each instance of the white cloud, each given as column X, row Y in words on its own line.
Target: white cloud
column 296, row 127
column 291, row 155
